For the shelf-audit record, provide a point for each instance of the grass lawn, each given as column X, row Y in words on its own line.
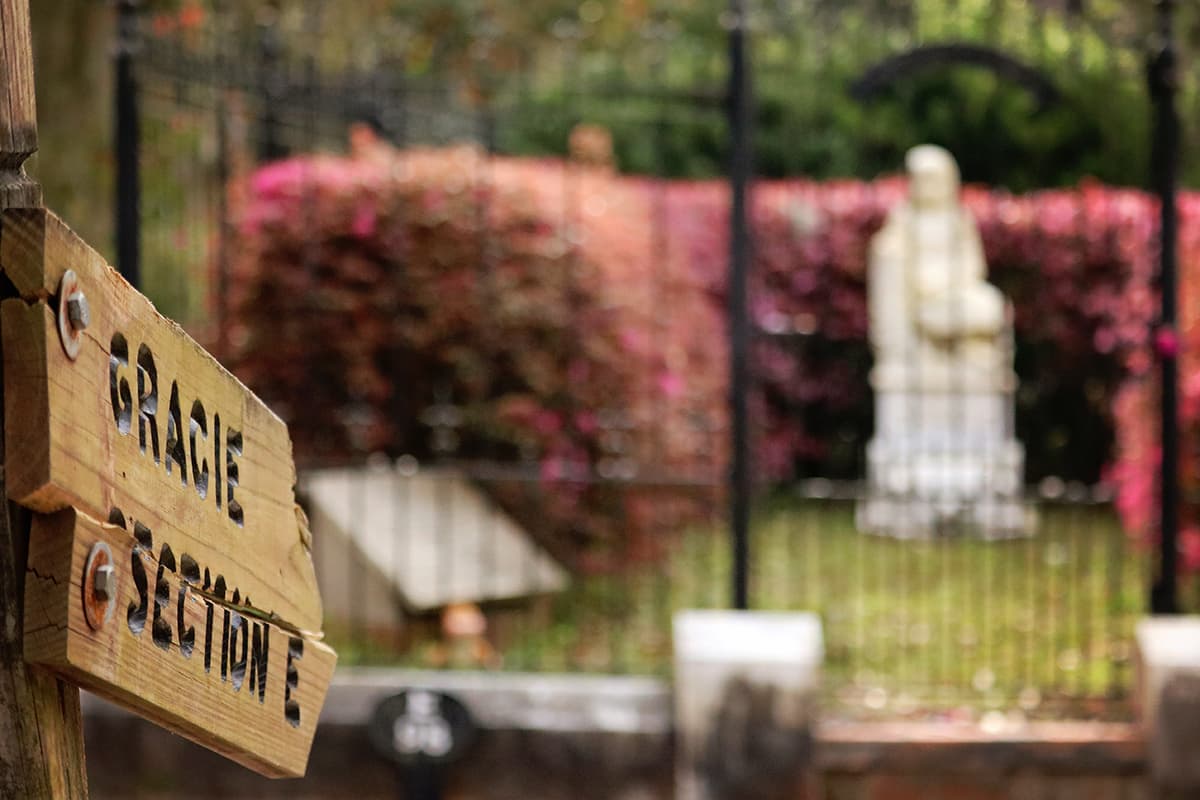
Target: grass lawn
column 911, row 628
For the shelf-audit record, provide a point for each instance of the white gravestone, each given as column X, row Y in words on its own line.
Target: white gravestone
column 746, row 694
column 1168, row 701
column 944, row 456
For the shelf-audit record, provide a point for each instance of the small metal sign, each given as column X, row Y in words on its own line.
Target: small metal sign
column 421, row 727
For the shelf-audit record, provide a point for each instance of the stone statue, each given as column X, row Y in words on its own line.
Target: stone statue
column 943, row 450
column 935, row 321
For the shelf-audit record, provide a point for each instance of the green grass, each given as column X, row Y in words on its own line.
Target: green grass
column 956, row 625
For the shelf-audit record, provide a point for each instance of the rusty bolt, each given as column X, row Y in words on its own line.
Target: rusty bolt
column 99, row 586
column 73, row 314
column 104, row 582
column 77, row 310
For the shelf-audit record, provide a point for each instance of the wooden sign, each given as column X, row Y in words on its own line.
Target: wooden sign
column 210, row 618
column 173, row 650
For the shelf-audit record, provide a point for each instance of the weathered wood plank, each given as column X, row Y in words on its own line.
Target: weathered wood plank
column 18, row 107
column 173, row 650
column 41, row 729
column 146, row 422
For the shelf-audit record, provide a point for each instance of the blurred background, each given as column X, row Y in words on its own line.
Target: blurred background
column 477, row 254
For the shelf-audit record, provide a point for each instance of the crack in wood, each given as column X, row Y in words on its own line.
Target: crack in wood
column 52, row 578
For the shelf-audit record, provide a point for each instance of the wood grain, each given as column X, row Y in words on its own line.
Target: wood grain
column 18, row 108
column 67, row 449
column 41, row 728
column 189, row 690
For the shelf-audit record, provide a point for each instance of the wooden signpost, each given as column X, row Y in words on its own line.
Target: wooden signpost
column 167, row 566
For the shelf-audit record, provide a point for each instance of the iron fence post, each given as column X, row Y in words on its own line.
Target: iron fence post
column 740, row 168
column 1164, row 595
column 270, row 49
column 224, row 230
column 127, row 135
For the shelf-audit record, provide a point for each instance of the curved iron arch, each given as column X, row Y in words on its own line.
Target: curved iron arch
column 882, row 75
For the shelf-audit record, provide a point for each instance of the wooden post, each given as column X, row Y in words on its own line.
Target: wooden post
column 41, row 730
column 18, row 110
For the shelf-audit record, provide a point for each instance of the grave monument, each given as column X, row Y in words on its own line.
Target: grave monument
column 944, row 458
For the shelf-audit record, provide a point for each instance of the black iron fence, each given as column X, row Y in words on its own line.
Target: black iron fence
column 483, row 271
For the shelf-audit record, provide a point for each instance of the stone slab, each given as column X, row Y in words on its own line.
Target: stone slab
column 746, row 688
column 1168, row 698
column 431, row 538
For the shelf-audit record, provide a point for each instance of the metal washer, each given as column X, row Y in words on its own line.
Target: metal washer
column 71, row 339
column 97, row 612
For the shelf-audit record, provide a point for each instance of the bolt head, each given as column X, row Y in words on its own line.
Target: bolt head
column 104, row 583
column 78, row 311
column 99, row 587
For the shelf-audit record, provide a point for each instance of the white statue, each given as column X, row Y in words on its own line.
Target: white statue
column 942, row 337
column 935, row 321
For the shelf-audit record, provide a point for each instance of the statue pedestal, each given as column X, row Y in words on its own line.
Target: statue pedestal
column 944, row 462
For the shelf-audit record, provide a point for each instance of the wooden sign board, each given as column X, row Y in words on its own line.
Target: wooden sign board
column 179, row 656
column 194, row 475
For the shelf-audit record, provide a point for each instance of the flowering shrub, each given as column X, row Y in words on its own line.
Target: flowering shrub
column 574, row 318
column 1136, row 408
column 1075, row 264
column 369, row 294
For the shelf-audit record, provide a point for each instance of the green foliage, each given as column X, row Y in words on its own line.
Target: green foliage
column 651, row 135
column 365, row 290
column 73, row 96
column 997, row 131
column 808, row 123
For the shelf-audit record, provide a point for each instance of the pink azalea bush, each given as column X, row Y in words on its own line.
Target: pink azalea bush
column 575, row 317
column 365, row 291
column 1137, row 466
column 1076, row 265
